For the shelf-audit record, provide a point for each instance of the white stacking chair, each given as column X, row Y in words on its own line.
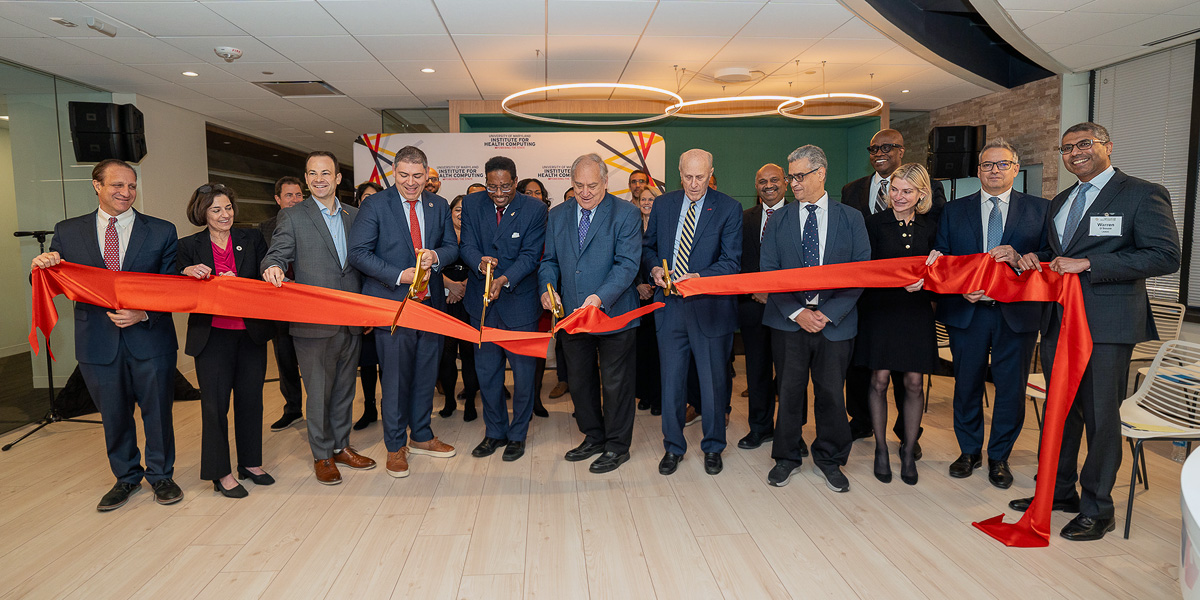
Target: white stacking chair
column 1168, row 319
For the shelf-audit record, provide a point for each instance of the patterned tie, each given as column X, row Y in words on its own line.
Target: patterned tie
column 414, row 229
column 499, row 213
column 770, row 211
column 584, row 222
column 810, row 245
column 881, row 197
column 112, row 246
column 685, row 240
column 995, row 225
column 1076, row 214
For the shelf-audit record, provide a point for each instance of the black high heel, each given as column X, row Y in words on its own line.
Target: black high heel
column 469, row 412
column 539, row 410
column 370, row 415
column 264, row 479
column 908, row 470
column 884, row 475
column 236, row 491
column 448, row 410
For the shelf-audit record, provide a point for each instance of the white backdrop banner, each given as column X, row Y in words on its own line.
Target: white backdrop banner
column 547, row 157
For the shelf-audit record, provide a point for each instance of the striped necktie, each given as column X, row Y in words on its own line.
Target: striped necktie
column 685, row 240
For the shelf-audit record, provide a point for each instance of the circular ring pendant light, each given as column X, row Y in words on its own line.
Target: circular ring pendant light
column 795, row 103
column 671, row 110
column 711, row 101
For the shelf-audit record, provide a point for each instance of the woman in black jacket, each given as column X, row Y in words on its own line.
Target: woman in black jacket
column 230, row 352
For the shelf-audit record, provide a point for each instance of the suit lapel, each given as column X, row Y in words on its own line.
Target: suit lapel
column 432, row 237
column 136, row 238
column 833, row 228
column 92, row 237
column 798, row 224
column 1016, row 212
column 241, row 252
column 976, row 220
column 1099, row 206
column 313, row 209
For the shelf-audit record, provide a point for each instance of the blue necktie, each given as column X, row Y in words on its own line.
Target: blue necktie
column 584, row 222
column 995, row 225
column 810, row 244
column 1076, row 214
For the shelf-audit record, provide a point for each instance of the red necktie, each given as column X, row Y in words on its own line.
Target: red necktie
column 112, row 246
column 499, row 213
column 770, row 211
column 414, row 229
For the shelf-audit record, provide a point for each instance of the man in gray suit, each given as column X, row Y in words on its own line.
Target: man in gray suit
column 311, row 236
column 1114, row 231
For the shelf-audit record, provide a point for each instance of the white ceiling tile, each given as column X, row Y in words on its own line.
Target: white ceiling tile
column 1063, row 5
column 845, row 51
column 513, row 71
column 410, row 70
column 900, row 56
column 856, row 29
column 1192, row 8
column 1150, row 30
column 356, row 89
column 592, row 17
column 760, row 50
column 202, row 47
column 697, row 50
column 649, row 70
column 390, row 101
column 267, row 71
column 409, row 47
column 47, row 53
column 164, row 91
column 510, row 16
column 701, row 18
column 323, row 103
column 1076, row 27
column 1141, row 6
column 797, row 20
column 1082, row 56
column 589, row 47
column 174, row 73
column 318, row 48
column 203, row 105
column 385, row 17
column 36, row 16
column 499, row 47
column 583, row 71
column 238, row 89
column 170, row 18
column 347, row 71
column 133, row 49
column 444, row 90
column 260, row 104
column 277, row 19
column 12, row 29
column 1025, row 19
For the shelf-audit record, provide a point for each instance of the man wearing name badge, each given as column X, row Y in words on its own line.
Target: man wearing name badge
column 1006, row 224
column 385, row 245
column 593, row 245
column 771, row 184
column 288, row 192
column 698, row 232
column 1115, row 231
column 126, row 357
column 311, row 237
column 639, row 180
column 869, row 196
column 506, row 230
column 813, row 330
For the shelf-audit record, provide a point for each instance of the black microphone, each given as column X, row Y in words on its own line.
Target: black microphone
column 32, row 233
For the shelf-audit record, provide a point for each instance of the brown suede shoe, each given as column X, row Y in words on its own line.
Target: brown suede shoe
column 690, row 416
column 397, row 463
column 434, row 447
column 352, row 459
column 327, row 472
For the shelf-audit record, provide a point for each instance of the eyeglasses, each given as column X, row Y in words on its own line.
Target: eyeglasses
column 1081, row 144
column 799, row 177
column 504, row 188
column 883, row 148
column 209, row 188
column 1003, row 165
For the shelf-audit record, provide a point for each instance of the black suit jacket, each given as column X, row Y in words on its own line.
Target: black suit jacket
column 857, row 194
column 1114, row 288
column 248, row 251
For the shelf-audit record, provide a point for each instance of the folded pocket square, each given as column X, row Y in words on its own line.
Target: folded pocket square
column 516, row 234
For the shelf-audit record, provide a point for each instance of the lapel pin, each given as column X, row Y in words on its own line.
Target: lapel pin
column 430, row 205
column 238, row 248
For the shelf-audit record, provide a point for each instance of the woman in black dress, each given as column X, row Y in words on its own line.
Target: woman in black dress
column 455, row 278
column 895, row 329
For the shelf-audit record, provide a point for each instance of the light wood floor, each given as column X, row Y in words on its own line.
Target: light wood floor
column 545, row 528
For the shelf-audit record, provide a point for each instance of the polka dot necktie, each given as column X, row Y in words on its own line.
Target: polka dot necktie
column 995, row 225
column 112, row 246
column 810, row 245
column 584, row 222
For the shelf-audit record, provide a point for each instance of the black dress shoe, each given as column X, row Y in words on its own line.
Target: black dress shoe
column 803, row 448
column 513, row 451
column 285, row 421
column 264, row 479
column 964, row 465
column 166, row 492
column 609, row 461
column 584, row 451
column 643, row 405
column 916, row 451
column 370, row 415
column 754, row 440
column 712, row 463
column 118, row 496
column 539, row 410
column 1086, row 529
column 487, row 447
column 781, row 473
column 656, row 410
column 1071, row 505
column 999, row 475
column 669, row 463
column 237, row 491
column 448, row 410
column 469, row 412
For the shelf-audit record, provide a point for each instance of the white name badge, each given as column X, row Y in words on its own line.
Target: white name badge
column 1105, row 226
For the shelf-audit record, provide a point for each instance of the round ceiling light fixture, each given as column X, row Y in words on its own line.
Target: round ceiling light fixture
column 671, row 110
column 712, row 101
column 795, row 103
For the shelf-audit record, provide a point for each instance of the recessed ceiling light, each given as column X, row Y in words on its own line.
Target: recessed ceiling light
column 328, row 131
column 226, row 143
column 427, row 70
column 903, row 91
column 191, row 73
column 3, row 117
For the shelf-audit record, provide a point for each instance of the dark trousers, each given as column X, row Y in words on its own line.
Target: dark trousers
column 858, row 386
column 116, row 388
column 1011, row 353
column 802, row 354
column 649, row 373
column 602, row 375
column 329, row 366
column 289, row 371
column 681, row 347
column 453, row 348
column 230, row 362
column 760, row 367
column 368, row 367
column 408, row 361
column 489, row 367
column 1096, row 409
column 560, row 364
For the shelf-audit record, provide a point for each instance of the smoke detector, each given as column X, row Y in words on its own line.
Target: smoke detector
column 732, row 75
column 228, row 53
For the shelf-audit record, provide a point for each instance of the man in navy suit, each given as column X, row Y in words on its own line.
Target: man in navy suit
column 814, row 331
column 1006, row 224
column 508, row 231
column 1114, row 231
column 593, row 245
column 771, row 184
column 126, row 357
column 698, row 232
column 391, row 228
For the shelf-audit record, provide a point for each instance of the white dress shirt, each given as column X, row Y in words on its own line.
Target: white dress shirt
column 985, row 208
column 762, row 222
column 822, row 213
column 1098, row 182
column 876, row 181
column 124, row 228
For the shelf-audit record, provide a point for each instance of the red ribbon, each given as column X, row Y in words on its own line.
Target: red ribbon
column 961, row 275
